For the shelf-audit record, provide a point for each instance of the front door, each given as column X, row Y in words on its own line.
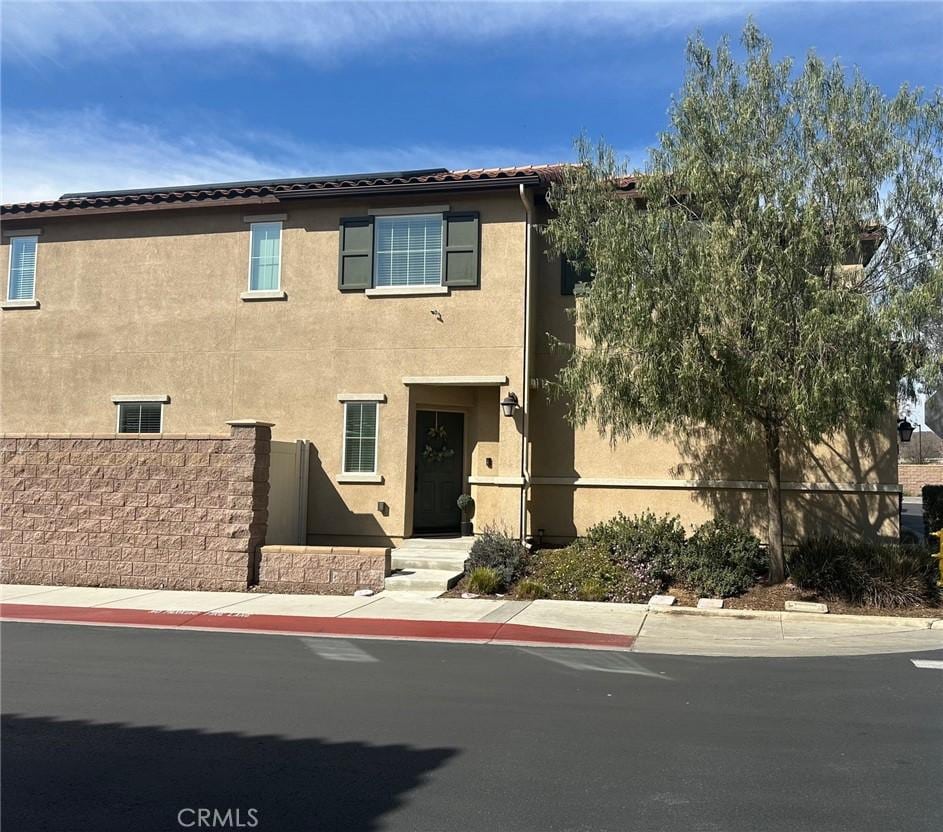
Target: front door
column 440, row 444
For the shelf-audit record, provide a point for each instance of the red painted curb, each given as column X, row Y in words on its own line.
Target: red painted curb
column 483, row 632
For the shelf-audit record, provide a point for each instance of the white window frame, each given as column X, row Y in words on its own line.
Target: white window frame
column 118, row 401
column 277, row 292
column 360, row 476
column 32, row 234
column 421, row 288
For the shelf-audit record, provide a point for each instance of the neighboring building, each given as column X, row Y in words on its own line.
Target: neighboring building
column 382, row 317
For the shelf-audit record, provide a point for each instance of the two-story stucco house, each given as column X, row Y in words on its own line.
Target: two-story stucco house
column 384, row 318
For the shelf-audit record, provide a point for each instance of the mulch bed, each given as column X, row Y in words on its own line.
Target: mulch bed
column 462, row 586
column 765, row 597
column 760, row 597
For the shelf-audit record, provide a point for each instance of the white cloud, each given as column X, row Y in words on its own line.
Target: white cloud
column 65, row 31
column 46, row 155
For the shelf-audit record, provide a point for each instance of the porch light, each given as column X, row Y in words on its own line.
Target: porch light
column 904, row 430
column 509, row 404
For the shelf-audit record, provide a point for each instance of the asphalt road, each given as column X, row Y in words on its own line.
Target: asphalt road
column 911, row 518
column 120, row 729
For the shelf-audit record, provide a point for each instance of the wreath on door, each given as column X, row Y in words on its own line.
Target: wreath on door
column 437, row 448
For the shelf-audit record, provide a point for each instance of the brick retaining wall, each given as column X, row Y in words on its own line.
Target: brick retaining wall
column 326, row 570
column 146, row 511
column 915, row 477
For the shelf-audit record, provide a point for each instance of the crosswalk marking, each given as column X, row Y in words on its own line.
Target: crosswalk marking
column 337, row 650
column 927, row 664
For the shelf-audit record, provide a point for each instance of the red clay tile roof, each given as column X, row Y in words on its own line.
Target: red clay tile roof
column 275, row 190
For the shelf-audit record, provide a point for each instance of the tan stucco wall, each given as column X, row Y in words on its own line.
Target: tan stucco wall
column 643, row 463
column 148, row 303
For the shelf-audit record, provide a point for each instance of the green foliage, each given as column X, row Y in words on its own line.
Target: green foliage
column 584, row 571
column 465, row 503
column 747, row 279
column 933, row 508
column 902, row 576
column 565, row 571
column 643, row 539
column 719, row 560
column 485, row 580
column 528, row 589
column 497, row 550
column 876, row 575
column 831, row 566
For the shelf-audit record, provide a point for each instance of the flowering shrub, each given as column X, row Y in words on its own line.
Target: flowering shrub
column 584, row 571
column 647, row 545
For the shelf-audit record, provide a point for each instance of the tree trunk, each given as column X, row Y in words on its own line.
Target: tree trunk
column 774, row 505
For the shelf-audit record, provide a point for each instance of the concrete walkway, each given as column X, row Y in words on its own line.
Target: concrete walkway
column 676, row 630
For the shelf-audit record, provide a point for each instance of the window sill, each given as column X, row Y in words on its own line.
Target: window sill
column 20, row 304
column 265, row 294
column 405, row 291
column 376, row 479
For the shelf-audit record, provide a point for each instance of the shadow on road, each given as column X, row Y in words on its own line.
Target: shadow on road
column 80, row 776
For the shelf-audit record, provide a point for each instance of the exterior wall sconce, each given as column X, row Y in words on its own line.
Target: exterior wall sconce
column 904, row 429
column 509, row 404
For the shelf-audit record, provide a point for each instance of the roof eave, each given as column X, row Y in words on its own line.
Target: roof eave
column 60, row 209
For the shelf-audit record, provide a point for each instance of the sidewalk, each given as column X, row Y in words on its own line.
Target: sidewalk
column 676, row 630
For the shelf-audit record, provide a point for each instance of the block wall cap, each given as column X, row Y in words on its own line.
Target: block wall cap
column 250, row 423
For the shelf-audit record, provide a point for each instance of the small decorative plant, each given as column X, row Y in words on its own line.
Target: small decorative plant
column 467, row 506
column 484, row 580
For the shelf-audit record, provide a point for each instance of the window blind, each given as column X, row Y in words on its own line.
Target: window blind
column 360, row 437
column 22, row 284
column 408, row 250
column 143, row 417
column 265, row 265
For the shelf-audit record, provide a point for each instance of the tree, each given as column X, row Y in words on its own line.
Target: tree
column 777, row 265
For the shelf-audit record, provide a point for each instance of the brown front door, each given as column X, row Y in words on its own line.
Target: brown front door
column 440, row 443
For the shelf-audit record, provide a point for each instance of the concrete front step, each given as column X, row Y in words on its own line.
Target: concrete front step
column 422, row 580
column 428, row 559
column 428, row 564
column 439, row 544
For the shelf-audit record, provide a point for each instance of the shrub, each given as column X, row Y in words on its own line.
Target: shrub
column 584, row 571
column 873, row 574
column 902, row 576
column 933, row 509
column 528, row 589
column 484, row 579
column 465, row 503
column 719, row 560
column 497, row 550
column 642, row 540
column 830, row 566
column 563, row 572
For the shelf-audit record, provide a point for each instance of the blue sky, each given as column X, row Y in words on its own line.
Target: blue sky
column 111, row 95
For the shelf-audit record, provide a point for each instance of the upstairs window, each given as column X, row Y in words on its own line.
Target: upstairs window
column 574, row 277
column 360, row 437
column 140, row 417
column 21, row 282
column 265, row 256
column 408, row 250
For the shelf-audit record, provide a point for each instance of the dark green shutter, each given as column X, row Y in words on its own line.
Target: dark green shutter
column 571, row 276
column 461, row 249
column 355, row 268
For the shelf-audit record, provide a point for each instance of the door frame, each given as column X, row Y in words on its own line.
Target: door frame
column 410, row 501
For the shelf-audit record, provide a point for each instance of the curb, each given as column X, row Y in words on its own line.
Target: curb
column 473, row 632
column 911, row 623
